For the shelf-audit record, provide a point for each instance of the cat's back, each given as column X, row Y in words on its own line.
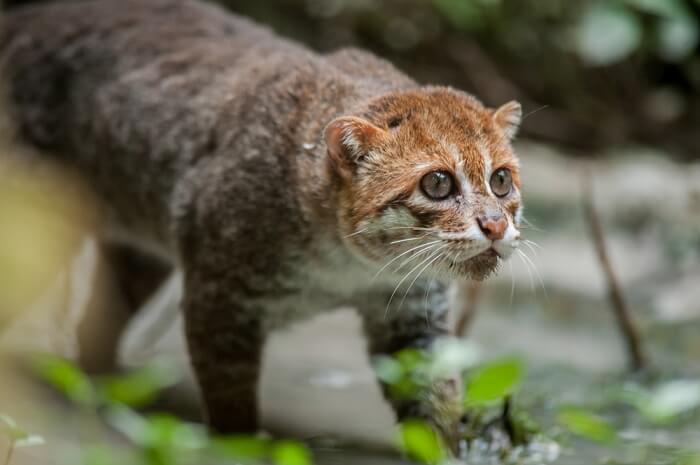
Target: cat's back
column 57, row 58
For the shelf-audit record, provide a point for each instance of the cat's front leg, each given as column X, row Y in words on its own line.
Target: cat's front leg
column 225, row 340
column 416, row 321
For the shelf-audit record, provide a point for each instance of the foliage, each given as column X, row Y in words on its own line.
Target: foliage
column 155, row 439
column 16, row 436
column 586, row 424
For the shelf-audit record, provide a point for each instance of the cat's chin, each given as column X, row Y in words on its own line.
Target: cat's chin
column 479, row 267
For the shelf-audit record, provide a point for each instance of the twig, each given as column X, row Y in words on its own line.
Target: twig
column 8, row 457
column 622, row 312
column 468, row 295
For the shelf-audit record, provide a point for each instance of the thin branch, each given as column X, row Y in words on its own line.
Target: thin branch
column 622, row 312
column 8, row 457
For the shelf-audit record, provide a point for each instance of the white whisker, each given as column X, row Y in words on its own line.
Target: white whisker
column 357, row 232
column 418, row 276
column 401, row 255
column 533, row 243
column 512, row 284
column 432, row 254
column 539, row 277
column 409, row 239
column 527, row 267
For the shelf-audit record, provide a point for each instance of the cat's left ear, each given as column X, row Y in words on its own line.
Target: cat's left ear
column 349, row 139
column 508, row 117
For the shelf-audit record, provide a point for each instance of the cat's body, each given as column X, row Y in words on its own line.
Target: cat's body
column 208, row 140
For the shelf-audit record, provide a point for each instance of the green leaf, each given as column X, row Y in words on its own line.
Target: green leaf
column 412, row 360
column 607, row 34
column 388, row 369
column 420, row 442
column 494, row 381
column 67, row 378
column 667, row 402
column 241, row 448
column 9, row 429
column 586, row 425
column 462, row 14
column 167, row 431
column 452, row 355
column 290, row 453
column 140, row 387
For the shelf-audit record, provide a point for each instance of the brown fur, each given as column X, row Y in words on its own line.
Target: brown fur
column 255, row 164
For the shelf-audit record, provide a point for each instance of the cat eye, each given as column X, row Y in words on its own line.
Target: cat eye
column 501, row 182
column 437, row 185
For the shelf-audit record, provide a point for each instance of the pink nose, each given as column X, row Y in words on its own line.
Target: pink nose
column 493, row 227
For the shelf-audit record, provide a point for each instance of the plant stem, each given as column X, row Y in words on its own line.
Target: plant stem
column 9, row 453
column 622, row 312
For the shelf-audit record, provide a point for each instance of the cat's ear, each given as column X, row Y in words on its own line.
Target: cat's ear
column 508, row 117
column 349, row 139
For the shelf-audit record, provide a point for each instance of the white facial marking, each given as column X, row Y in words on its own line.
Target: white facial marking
column 460, row 170
column 488, row 163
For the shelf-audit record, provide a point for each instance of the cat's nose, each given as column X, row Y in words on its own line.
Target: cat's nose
column 493, row 226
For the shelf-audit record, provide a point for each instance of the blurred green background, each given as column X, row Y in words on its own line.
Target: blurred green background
column 608, row 72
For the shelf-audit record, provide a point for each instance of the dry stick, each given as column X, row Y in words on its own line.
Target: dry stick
column 622, row 312
column 8, row 458
column 468, row 302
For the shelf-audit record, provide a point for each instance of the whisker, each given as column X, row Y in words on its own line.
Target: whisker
column 401, row 255
column 539, row 277
column 409, row 239
column 406, row 276
column 533, row 243
column 529, row 246
column 418, row 276
column 512, row 284
column 415, row 228
column 411, row 258
column 357, row 232
column 529, row 225
column 527, row 267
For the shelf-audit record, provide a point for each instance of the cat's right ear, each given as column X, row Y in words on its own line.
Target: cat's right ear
column 349, row 139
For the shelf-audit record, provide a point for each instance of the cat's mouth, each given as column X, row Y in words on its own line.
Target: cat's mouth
column 479, row 267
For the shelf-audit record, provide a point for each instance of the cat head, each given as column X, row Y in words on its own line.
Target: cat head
column 428, row 179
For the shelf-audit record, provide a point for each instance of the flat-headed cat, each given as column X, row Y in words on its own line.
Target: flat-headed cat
column 284, row 182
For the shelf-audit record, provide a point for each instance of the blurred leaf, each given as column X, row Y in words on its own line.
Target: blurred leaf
column 452, row 355
column 241, row 448
column 127, row 422
column 67, row 378
column 690, row 458
column 412, row 360
column 37, row 243
column 290, row 453
column 140, row 387
column 494, row 381
column 607, row 33
column 677, row 37
column 586, row 425
column 667, row 8
column 665, row 403
column 9, row 429
column 104, row 454
column 466, row 15
column 420, row 442
column 166, row 430
column 30, row 441
column 387, row 369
